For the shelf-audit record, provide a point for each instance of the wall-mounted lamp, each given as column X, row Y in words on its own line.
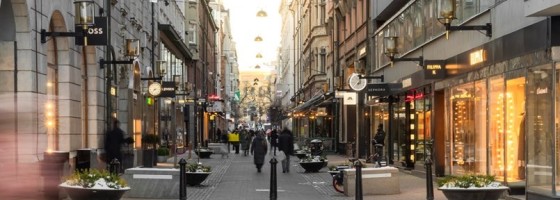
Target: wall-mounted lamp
column 132, row 50
column 84, row 17
column 447, row 10
column 161, row 65
column 390, row 43
column 261, row 13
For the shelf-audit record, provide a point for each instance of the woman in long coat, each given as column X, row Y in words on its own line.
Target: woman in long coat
column 259, row 147
column 245, row 138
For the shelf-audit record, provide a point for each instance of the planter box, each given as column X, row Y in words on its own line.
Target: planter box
column 300, row 155
column 313, row 166
column 152, row 183
column 203, row 154
column 473, row 193
column 78, row 193
column 195, row 178
column 162, row 159
column 375, row 181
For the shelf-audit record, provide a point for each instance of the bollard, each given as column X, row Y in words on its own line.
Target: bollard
column 114, row 166
column 358, row 166
column 182, row 179
column 273, row 188
column 429, row 182
column 428, row 164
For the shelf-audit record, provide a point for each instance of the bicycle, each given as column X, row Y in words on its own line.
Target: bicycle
column 377, row 158
column 338, row 178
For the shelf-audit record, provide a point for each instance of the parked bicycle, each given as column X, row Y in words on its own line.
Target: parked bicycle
column 377, row 157
column 338, row 178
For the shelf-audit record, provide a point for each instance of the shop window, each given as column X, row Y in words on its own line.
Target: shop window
column 467, row 138
column 539, row 128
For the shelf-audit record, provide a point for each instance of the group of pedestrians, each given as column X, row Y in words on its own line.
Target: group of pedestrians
column 258, row 145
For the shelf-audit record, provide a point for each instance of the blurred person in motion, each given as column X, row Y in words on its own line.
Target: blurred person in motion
column 286, row 146
column 113, row 141
column 259, row 146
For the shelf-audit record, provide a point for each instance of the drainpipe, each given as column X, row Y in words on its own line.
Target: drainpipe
column 108, row 69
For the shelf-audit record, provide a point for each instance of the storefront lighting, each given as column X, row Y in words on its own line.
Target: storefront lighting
column 447, row 10
column 113, row 91
column 477, row 57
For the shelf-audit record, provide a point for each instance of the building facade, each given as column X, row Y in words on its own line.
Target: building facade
column 62, row 96
column 485, row 100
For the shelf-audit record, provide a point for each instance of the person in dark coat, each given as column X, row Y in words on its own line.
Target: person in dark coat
column 286, row 145
column 273, row 141
column 259, row 147
column 113, row 141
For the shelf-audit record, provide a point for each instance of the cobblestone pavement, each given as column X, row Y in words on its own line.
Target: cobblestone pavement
column 237, row 178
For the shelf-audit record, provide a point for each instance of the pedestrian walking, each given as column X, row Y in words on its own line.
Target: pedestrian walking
column 273, row 141
column 113, row 141
column 286, row 146
column 259, row 147
column 234, row 140
column 245, row 141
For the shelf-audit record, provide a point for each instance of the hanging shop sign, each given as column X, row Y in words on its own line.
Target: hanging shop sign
column 350, row 98
column 96, row 34
column 382, row 89
column 167, row 89
column 434, row 69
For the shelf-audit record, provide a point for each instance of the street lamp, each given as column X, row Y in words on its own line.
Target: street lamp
column 447, row 10
column 132, row 50
column 160, row 69
column 84, row 17
column 391, row 44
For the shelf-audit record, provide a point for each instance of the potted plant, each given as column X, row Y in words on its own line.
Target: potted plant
column 149, row 142
column 302, row 153
column 469, row 187
column 94, row 184
column 163, row 153
column 197, row 173
column 313, row 163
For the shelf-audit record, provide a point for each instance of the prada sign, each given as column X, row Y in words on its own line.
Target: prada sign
column 434, row 69
column 96, row 34
column 381, row 89
column 167, row 89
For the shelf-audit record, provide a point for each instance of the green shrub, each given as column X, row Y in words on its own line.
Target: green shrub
column 467, row 181
column 88, row 179
column 163, row 151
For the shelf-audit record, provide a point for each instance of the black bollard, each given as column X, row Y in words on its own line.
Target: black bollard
column 358, row 166
column 428, row 164
column 273, row 188
column 114, row 166
column 182, row 179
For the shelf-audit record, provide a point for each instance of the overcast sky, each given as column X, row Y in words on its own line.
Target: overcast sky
column 246, row 26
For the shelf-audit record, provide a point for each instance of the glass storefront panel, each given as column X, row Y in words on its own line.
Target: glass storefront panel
column 400, row 131
column 380, row 116
column 480, row 120
column 514, row 122
column 496, row 89
column 538, row 127
column 467, row 125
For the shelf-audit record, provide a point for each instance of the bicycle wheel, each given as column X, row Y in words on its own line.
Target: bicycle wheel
column 337, row 186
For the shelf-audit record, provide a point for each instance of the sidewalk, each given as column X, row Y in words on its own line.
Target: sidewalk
column 236, row 178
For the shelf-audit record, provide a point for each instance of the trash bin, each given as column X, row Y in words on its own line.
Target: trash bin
column 316, row 147
column 52, row 167
column 83, row 159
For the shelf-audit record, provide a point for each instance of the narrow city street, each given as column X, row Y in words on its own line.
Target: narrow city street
column 237, row 178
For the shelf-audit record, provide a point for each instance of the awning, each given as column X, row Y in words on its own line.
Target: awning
column 314, row 100
column 175, row 39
